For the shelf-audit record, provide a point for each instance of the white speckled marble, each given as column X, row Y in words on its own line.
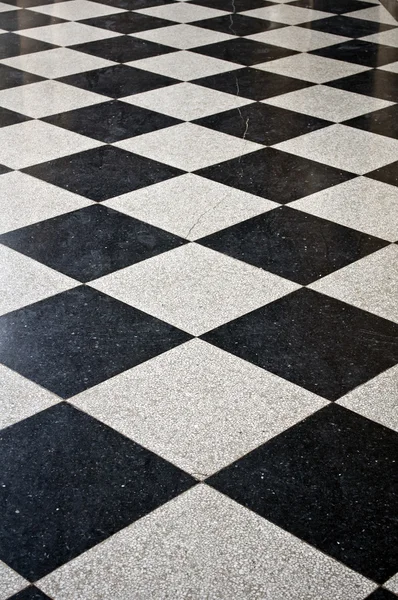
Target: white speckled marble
column 10, row 582
column 370, row 283
column 190, row 206
column 202, row 545
column 215, row 287
column 376, row 399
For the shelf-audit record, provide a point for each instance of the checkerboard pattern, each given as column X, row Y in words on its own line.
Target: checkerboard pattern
column 199, row 315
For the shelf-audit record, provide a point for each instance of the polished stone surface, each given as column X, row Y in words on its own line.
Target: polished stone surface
column 198, row 308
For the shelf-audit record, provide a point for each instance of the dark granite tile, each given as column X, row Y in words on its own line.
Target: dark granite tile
column 69, row 482
column 69, row 342
column 331, row 481
column 243, row 51
column 91, row 242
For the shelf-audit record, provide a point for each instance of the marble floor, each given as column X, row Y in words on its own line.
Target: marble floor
column 199, row 300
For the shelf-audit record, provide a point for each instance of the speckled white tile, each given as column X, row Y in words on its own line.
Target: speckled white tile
column 377, row 399
column 364, row 204
column 184, row 65
column 310, row 67
column 6, row 7
column 24, row 281
column 10, row 582
column 370, row 283
column 25, row 200
column 76, row 10
column 58, row 62
column 34, row 142
column 297, row 38
column 186, row 101
column 204, row 545
column 283, row 13
column 188, row 146
column 67, row 34
column 47, row 98
column 328, row 103
column 182, row 13
column 190, row 206
column 183, row 36
column 20, row 399
column 375, row 13
column 345, row 148
column 392, row 584
column 388, row 38
column 215, row 287
column 392, row 67
column 199, row 407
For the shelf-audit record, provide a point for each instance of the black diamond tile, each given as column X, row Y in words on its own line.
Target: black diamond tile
column 275, row 175
column 25, row 19
column 244, row 51
column 69, row 482
column 12, row 44
column 91, row 242
column 69, row 342
column 123, row 49
column 134, row 4
column 31, row 3
column 333, row 6
column 118, row 81
column 10, row 77
column 237, row 24
column 111, row 121
column 381, row 594
column 127, row 22
column 9, row 117
column 315, row 341
column 347, row 26
column 4, row 169
column 233, row 6
column 387, row 174
column 262, row 123
column 379, row 84
column 383, row 122
column 30, row 593
column 292, row 244
column 103, row 173
column 331, row 481
column 360, row 52
column 252, row 83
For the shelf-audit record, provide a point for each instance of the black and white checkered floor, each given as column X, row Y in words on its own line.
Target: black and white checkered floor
column 199, row 300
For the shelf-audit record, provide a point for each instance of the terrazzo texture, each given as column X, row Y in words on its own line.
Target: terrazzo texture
column 198, row 317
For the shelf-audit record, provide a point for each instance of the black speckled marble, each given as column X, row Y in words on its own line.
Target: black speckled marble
column 331, row 480
column 347, row 26
column 9, row 117
column 238, row 24
column 263, row 123
column 387, row 174
column 318, row 247
column 252, row 83
column 324, row 345
column 118, row 81
column 111, row 121
column 127, row 22
column 382, row 594
column 103, row 172
column 12, row 44
column 360, row 52
column 90, row 242
column 10, row 77
column 245, row 52
column 115, row 482
column 25, row 19
column 383, row 122
column 376, row 83
column 123, row 49
column 74, row 340
column 264, row 173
